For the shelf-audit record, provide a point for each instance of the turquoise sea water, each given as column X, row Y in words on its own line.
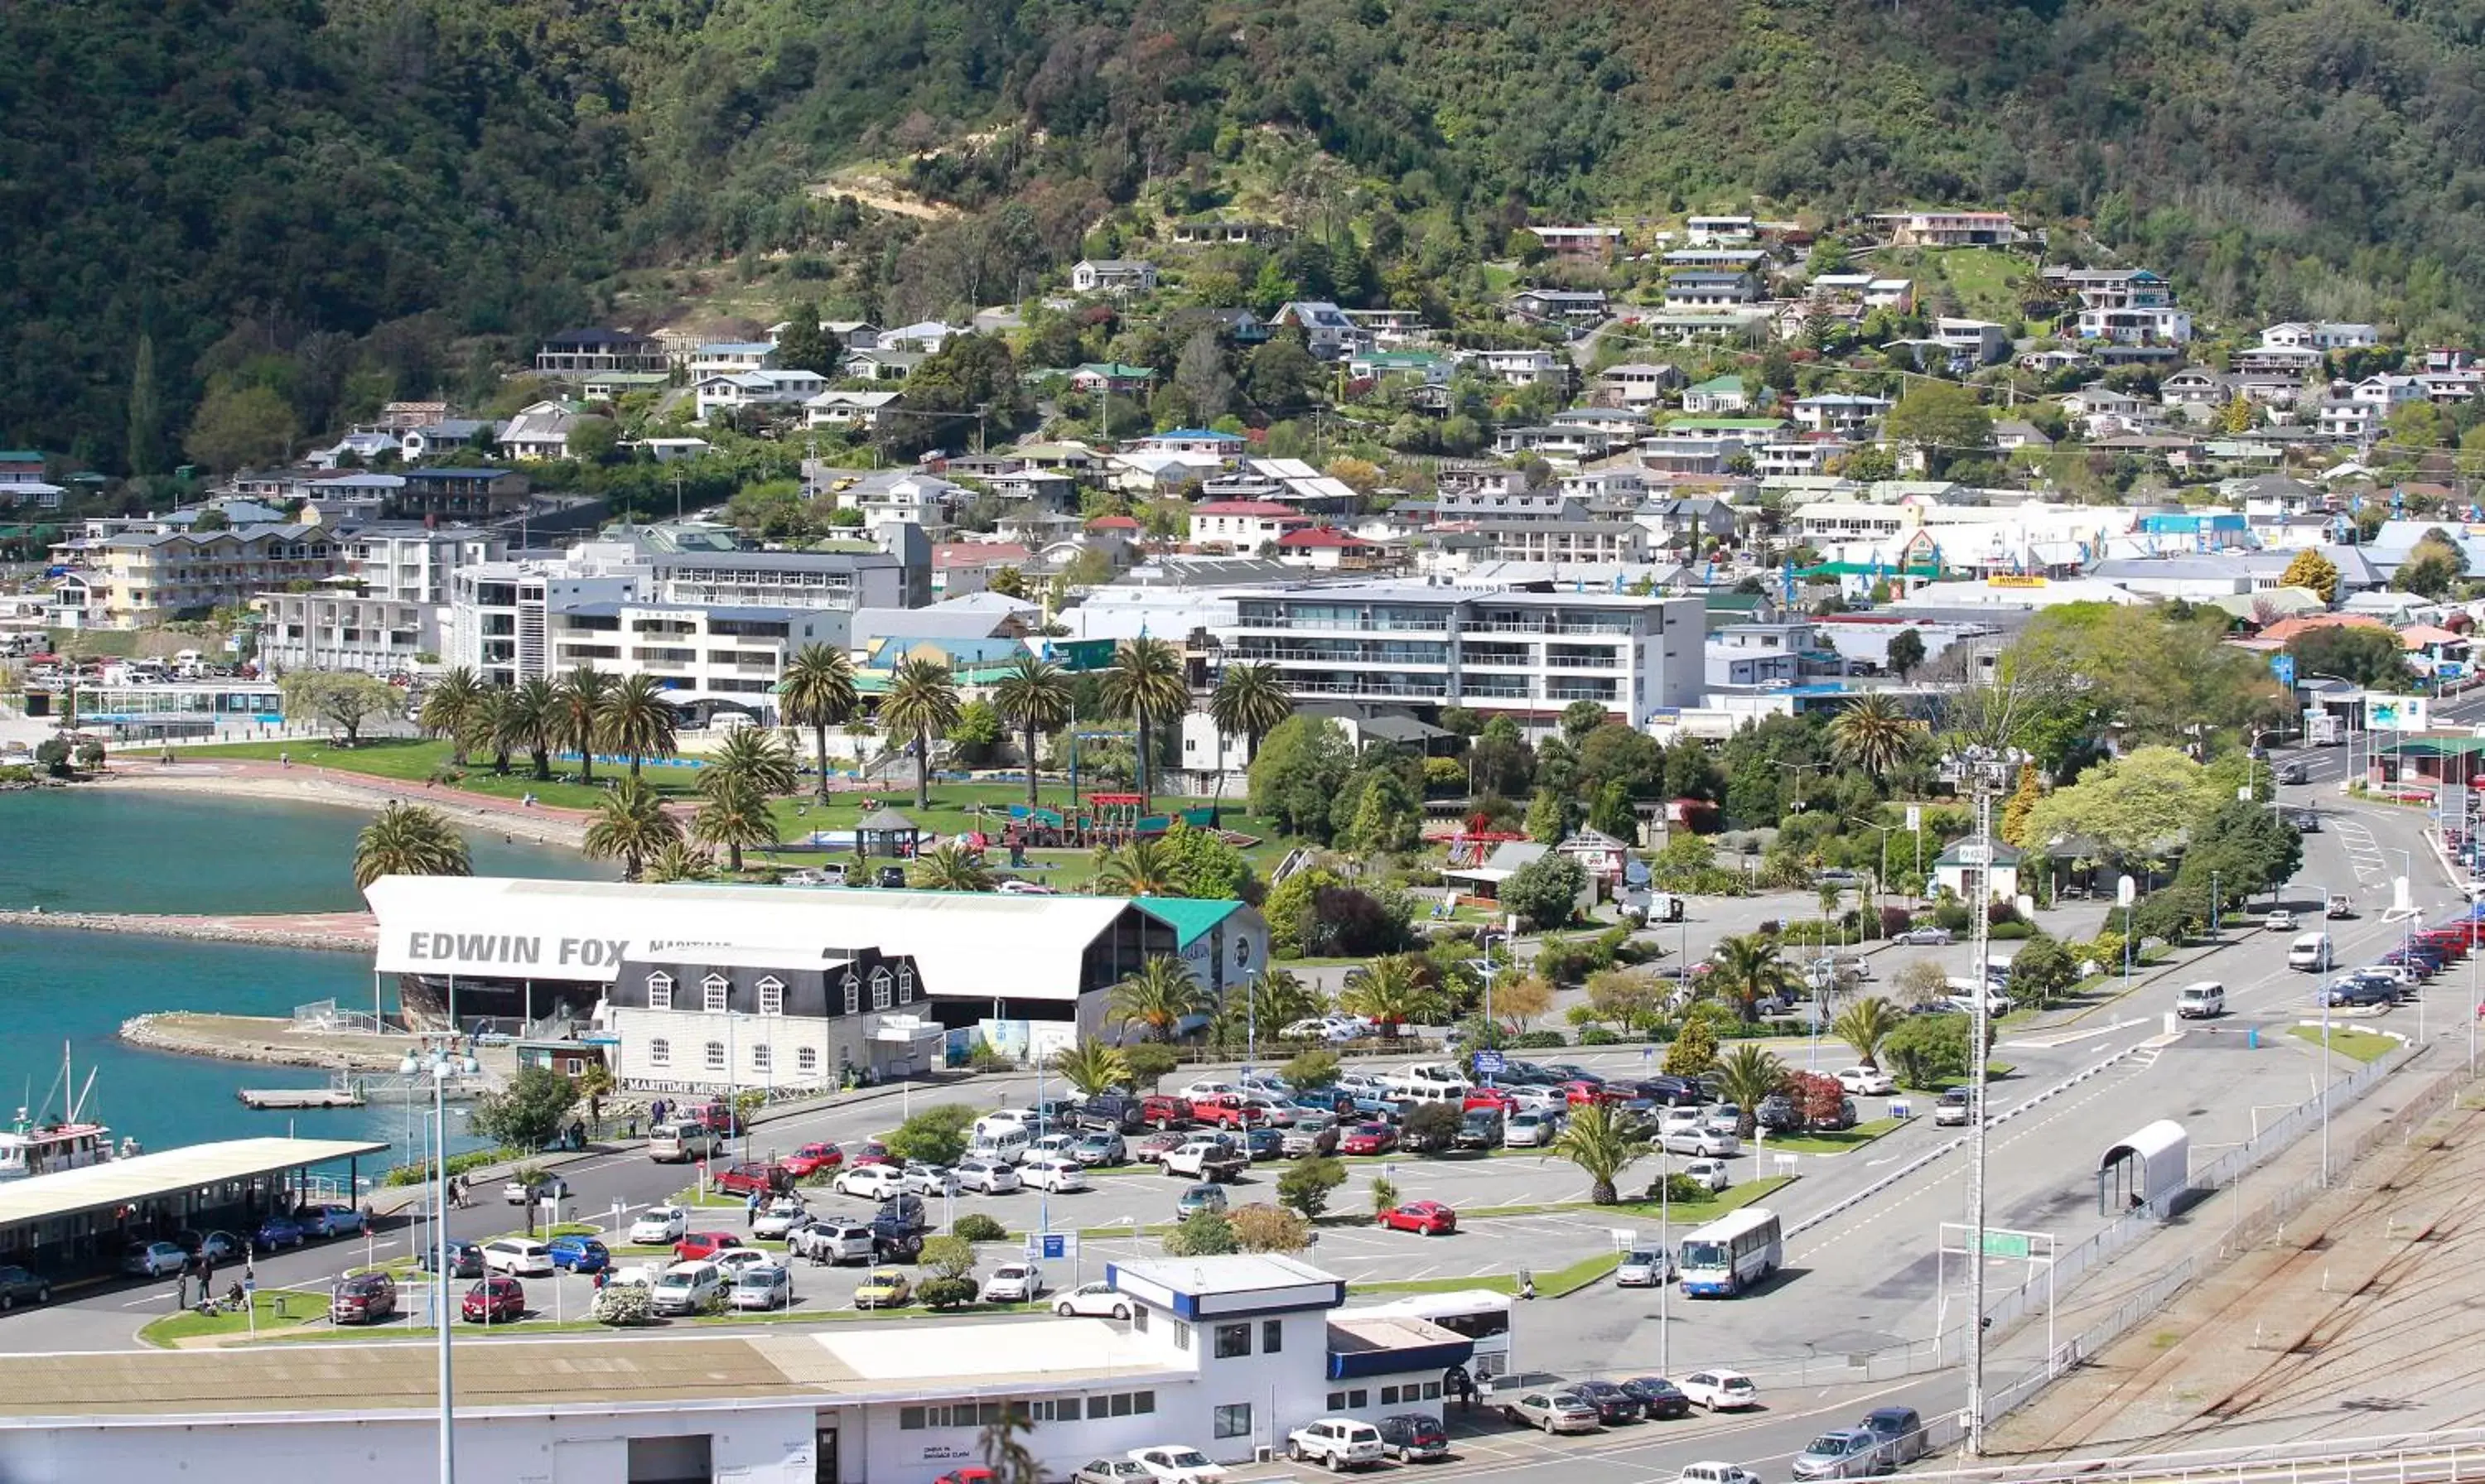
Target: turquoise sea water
column 99, row 850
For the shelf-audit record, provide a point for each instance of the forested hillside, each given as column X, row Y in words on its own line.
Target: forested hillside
column 348, row 198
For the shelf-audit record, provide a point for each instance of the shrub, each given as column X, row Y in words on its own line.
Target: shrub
column 2003, row 933
column 984, row 1058
column 976, row 1227
column 458, row 1163
column 1894, row 921
column 1951, row 914
column 1266, row 1229
column 947, row 1292
column 1539, row 1041
column 1305, row 1188
column 1202, row 1234
column 1598, row 1036
column 1677, row 1187
column 1385, row 1194
column 620, row 1303
column 1150, row 1062
column 947, row 1256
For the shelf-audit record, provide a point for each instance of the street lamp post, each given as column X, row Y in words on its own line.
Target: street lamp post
column 440, row 1065
column 1984, row 770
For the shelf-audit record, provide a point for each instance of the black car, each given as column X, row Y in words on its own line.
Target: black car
column 902, row 1213
column 1479, row 1128
column 1661, row 1398
column 1901, row 1433
column 1613, row 1403
column 888, row 1244
column 18, row 1285
column 465, row 1259
column 1264, row 1143
column 2308, row 822
column 1672, row 1092
column 890, row 875
column 1114, row 1112
column 1411, row 1435
column 1778, row 1114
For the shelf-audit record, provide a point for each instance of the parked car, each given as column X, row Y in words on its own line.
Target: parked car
column 1368, row 1139
column 761, row 1285
column 1177, row 1464
column 1702, row 1140
column 1713, row 1174
column 1408, row 1436
column 1530, row 1130
column 362, row 1298
column 659, row 1226
column 1841, row 1453
column 832, row 1239
column 1054, row 1175
column 1556, row 1412
column 927, row 1180
column 1207, row 1195
column 1659, row 1399
column 989, row 1177
column 1093, row 1301
column 1310, row 1134
column 749, row 1177
column 1866, row 1081
column 689, row 1288
column 331, row 1220
column 276, row 1231
column 1111, row 1470
column 872, row 1182
column 1922, row 937
column 1614, row 1403
column 1721, row 1391
column 518, row 1257
column 780, row 1219
column 465, row 1259
column 494, row 1301
column 580, row 1255
column 1479, row 1128
column 1100, row 1149
column 1716, row 1474
column 884, row 1289
column 812, row 1159
column 214, row 1246
column 871, row 1151
column 700, row 1245
column 2280, row 921
column 1335, row 1444
column 1643, row 1267
column 1901, row 1433
column 1423, row 1218
column 1014, row 1282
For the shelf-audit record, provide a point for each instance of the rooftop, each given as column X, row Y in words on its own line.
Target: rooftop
column 121, row 1182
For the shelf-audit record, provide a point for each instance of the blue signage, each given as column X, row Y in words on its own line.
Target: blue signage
column 1056, row 1246
column 1490, row 1063
column 2283, row 667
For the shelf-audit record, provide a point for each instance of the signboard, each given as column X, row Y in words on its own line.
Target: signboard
column 1491, row 1064
column 2013, row 579
column 1624, row 1238
column 2006, row 1244
column 1051, row 1246
column 2394, row 712
column 1915, row 819
column 2283, row 666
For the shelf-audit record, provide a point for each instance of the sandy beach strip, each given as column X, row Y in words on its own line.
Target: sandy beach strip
column 324, row 786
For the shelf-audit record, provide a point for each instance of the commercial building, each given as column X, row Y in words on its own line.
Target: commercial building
column 707, row 987
column 699, row 654
column 1527, row 655
column 1226, row 1355
column 386, row 610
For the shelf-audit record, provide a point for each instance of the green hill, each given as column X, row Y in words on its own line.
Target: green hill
column 348, row 198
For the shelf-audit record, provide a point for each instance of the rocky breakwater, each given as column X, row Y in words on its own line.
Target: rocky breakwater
column 331, row 932
column 264, row 1040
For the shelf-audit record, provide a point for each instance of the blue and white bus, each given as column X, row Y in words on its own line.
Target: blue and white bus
column 1731, row 1254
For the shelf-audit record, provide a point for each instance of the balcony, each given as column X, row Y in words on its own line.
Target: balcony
column 1366, row 685
column 1542, row 625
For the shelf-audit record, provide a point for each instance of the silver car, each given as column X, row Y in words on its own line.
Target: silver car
column 1847, row 1453
column 1530, row 1130
column 1644, row 1268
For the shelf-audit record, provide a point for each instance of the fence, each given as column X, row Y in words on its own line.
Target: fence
column 328, row 1016
column 2396, row 1457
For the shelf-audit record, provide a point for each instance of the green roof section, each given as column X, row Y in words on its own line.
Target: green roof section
column 1190, row 917
column 1116, row 371
column 1729, row 382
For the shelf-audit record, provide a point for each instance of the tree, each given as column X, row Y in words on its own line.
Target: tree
column 1202, row 1234
column 2022, row 802
column 630, row 826
column 1200, row 864
column 1305, row 1188
column 1694, row 1050
column 1749, row 970
column 1925, row 1050
column 805, row 346
column 817, row 690
column 1598, row 1141
column 530, row 1112
column 922, row 699
column 951, row 867
column 1201, row 376
column 1033, row 698
column 1159, row 995
column 1550, row 816
column 1145, row 684
column 1816, row 1096
column 947, row 1256
column 1943, row 420
column 532, row 722
column 1391, row 992
column 2431, row 566
column 1387, row 817
column 935, row 1136
column 592, row 440
column 1298, row 773
column 145, row 452
column 1522, row 999
column 2244, row 848
column 1249, row 702
column 1311, row 1071
column 583, row 691
column 452, row 709
column 2042, row 969
column 2366, row 653
column 1150, row 1064
column 2313, row 571
column 2136, row 806
column 1906, row 652
column 342, row 699
column 1864, row 1025
column 679, row 862
column 1921, row 983
column 1628, row 998
column 409, row 840
column 1746, row 1076
column 1874, row 734
column 1092, row 1067
column 732, row 815
column 1545, row 892
column 238, row 426
column 1143, row 868
column 596, row 1084
column 636, row 722
column 1261, row 1228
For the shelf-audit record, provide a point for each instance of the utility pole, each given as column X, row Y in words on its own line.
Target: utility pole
column 1985, row 771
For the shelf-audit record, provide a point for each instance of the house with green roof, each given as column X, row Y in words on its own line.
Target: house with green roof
column 1113, row 376
column 1716, row 396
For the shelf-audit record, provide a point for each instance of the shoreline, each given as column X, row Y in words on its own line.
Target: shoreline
column 238, row 930
column 250, row 1040
column 329, row 789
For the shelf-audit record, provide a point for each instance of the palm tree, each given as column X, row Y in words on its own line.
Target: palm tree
column 535, row 719
column 630, row 826
column 922, row 699
column 817, row 692
column 733, row 813
column 1874, row 734
column 453, row 709
column 1033, row 698
column 952, row 868
column 409, row 840
column 582, row 692
column 1602, row 1146
column 1864, row 1025
column 1145, row 685
column 1266, row 1007
column 1143, row 868
column 679, row 862
column 755, row 756
column 1093, row 1067
column 1749, row 970
column 1391, row 992
column 1248, row 701
column 636, row 722
column 1160, row 996
column 494, row 728
column 1748, row 1074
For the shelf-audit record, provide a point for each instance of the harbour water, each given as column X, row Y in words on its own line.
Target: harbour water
column 114, row 851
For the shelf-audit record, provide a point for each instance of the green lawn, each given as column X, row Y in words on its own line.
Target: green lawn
column 1835, row 1140
column 1551, row 1284
column 2347, row 1040
column 300, row 1308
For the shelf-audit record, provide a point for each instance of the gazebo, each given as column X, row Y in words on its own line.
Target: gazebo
column 887, row 832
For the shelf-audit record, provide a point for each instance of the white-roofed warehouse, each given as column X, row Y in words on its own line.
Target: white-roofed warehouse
column 693, row 987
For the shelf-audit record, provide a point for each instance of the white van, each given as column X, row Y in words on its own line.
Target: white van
column 689, row 1288
column 2310, row 954
column 679, row 1143
column 1452, row 1093
column 1003, row 1144
column 2203, row 1001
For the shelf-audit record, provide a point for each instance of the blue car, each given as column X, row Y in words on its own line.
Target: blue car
column 579, row 1255
column 276, row 1231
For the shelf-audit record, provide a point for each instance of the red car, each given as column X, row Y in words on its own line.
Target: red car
column 1580, row 1094
column 718, row 1119
column 972, row 1473
column 812, row 1158
column 494, row 1301
column 1226, row 1108
column 871, row 1151
column 1368, row 1139
column 703, row 1244
column 1496, row 1098
column 1155, row 1146
column 1423, row 1218
column 747, row 1178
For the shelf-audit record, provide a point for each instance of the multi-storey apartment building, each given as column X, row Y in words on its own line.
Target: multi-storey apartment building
column 387, row 610
column 139, row 579
column 704, row 651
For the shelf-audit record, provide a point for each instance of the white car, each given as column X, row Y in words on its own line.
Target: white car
column 733, row 1259
column 1866, row 1081
column 1014, row 1282
column 1335, row 1444
column 763, row 1285
column 1094, row 1301
column 517, row 1257
column 1267, row 1084
column 1205, row 1088
column 546, row 1187
column 1711, row 1172
column 989, row 1177
column 1056, row 1174
column 1643, row 1267
column 1053, row 1146
column 1530, row 1098
column 1720, row 1391
column 929, row 1180
column 1177, row 1462
column 2280, row 921
column 781, row 1218
column 1018, row 886
column 659, row 1226
column 1716, row 1474
column 1006, row 1121
column 643, row 1275
column 872, row 1182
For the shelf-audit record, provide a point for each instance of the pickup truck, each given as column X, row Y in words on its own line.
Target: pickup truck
column 1229, row 1110
column 1207, row 1159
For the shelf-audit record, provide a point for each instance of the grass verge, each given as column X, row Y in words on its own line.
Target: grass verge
column 1835, row 1140
column 2348, row 1042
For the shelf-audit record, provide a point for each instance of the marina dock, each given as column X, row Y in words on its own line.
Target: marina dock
column 302, row 1098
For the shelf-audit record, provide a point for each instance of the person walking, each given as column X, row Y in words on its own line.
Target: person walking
column 751, row 1209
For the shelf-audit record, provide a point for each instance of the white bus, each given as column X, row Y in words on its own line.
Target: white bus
column 1478, row 1314
column 1731, row 1254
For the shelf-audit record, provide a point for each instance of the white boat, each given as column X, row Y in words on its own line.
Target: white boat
column 31, row 1146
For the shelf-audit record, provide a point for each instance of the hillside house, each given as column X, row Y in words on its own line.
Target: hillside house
column 1980, row 341
column 1559, row 306
column 1224, row 232
column 834, row 408
column 2321, row 336
column 1522, row 368
column 1709, row 291
column 1950, row 229
column 577, row 352
column 1716, row 396
column 1328, row 332
column 724, row 357
column 1717, row 231
column 1839, row 412
column 880, row 365
column 1112, row 276
column 1593, row 245
column 1244, row 525
column 1636, row 384
column 540, row 431
column 1113, row 377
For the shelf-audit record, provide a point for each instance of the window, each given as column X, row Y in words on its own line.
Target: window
column 1120, row 1404
column 761, row 1059
column 854, row 993
column 714, row 988
column 1389, row 1396
column 1336, row 1401
column 660, row 992
column 905, row 984
column 880, row 987
column 716, row 1055
column 772, row 996
column 1233, row 1420
column 1138, row 1318
column 1273, row 1336
column 952, row 1415
column 1047, row 1409
column 807, row 1059
column 1181, row 1335
column 1431, row 1390
column 1233, row 1339
column 660, row 1052
column 1358, row 1397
